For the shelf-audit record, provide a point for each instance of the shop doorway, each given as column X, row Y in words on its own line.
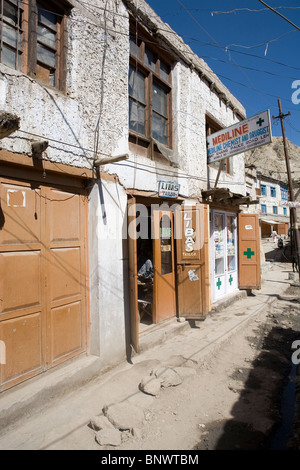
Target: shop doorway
column 151, row 266
column 223, row 253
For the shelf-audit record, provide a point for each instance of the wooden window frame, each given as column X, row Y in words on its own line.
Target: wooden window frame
column 211, row 126
column 29, row 30
column 145, row 41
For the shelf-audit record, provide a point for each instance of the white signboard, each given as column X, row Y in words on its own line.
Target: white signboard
column 242, row 136
column 290, row 203
column 168, row 189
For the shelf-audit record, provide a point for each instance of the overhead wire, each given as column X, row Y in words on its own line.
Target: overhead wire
column 227, row 78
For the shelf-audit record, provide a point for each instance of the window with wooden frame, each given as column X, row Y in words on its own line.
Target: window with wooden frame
column 150, row 91
column 33, row 38
column 212, row 127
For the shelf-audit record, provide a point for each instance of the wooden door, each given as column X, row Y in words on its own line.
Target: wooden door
column 249, row 251
column 192, row 228
column 42, row 278
column 164, row 296
column 132, row 254
column 65, row 275
column 22, row 296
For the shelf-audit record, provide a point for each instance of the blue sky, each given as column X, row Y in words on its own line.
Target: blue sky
column 254, row 53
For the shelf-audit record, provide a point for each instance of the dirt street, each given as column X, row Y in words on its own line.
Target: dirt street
column 234, row 400
column 220, row 387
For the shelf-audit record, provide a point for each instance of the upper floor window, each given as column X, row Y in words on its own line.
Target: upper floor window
column 273, row 191
column 263, row 208
column 33, row 38
column 11, row 33
column 263, row 189
column 275, row 210
column 150, row 90
column 211, row 128
column 284, row 193
column 284, row 211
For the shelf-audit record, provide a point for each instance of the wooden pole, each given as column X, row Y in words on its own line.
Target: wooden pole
column 294, row 227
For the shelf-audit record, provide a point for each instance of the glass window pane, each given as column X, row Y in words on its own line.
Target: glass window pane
column 219, row 245
column 160, row 100
column 166, row 245
column 46, row 36
column 45, row 55
column 8, row 56
column 136, row 85
column 160, row 129
column 136, row 117
column 10, row 13
column 231, row 243
column 164, row 71
column 9, row 35
column 46, row 17
column 149, row 59
column 134, row 45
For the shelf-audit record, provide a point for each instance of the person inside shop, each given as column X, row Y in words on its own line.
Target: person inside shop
column 144, row 264
column 145, row 278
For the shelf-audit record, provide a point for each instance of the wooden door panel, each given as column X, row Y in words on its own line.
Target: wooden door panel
column 64, row 215
column 20, row 280
column 164, row 266
column 66, row 330
column 65, row 273
column 132, row 255
column 192, row 227
column 249, row 252
column 20, row 216
column 23, row 342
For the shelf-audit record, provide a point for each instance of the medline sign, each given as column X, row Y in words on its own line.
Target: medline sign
column 240, row 137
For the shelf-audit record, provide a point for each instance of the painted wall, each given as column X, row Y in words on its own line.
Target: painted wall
column 93, row 116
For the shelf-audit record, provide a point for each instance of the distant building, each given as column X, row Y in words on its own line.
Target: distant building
column 271, row 193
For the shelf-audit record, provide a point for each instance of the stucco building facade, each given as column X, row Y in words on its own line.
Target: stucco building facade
column 119, row 105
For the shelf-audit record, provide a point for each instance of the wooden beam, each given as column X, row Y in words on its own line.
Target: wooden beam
column 9, row 123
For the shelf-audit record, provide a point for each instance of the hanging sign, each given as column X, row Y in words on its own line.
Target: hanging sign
column 168, row 189
column 242, row 136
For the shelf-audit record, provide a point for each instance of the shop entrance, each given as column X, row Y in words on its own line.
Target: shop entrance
column 223, row 253
column 151, row 265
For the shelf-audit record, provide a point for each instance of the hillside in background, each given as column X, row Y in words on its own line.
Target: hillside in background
column 270, row 159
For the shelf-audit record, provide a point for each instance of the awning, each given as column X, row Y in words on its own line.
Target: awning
column 272, row 222
column 226, row 197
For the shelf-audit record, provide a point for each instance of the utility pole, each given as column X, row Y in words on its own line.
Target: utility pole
column 293, row 215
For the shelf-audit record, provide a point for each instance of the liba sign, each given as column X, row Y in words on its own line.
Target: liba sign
column 242, row 136
column 168, row 189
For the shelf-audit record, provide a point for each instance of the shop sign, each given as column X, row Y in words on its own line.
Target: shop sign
column 242, row 136
column 168, row 189
column 290, row 203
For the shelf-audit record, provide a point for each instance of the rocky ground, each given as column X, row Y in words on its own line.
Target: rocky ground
column 243, row 398
column 246, row 397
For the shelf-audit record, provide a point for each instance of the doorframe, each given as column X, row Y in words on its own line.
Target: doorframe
column 213, row 211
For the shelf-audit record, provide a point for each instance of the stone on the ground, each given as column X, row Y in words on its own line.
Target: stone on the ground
column 124, row 416
column 109, row 437
column 100, row 422
column 168, row 377
column 150, row 385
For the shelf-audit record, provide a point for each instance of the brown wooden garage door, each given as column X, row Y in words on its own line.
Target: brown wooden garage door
column 42, row 278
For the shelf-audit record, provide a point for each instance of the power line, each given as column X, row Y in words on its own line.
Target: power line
column 277, row 13
column 251, row 10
